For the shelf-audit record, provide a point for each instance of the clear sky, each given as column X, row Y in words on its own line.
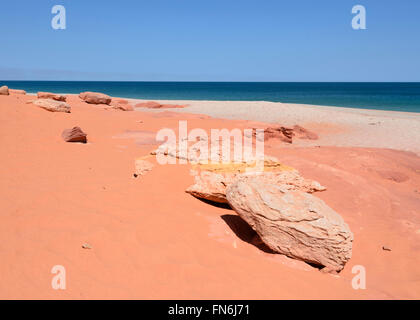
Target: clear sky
column 210, row 40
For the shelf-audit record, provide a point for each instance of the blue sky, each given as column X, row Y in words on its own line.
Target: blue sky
column 210, row 40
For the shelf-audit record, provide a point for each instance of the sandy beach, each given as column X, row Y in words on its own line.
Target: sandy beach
column 147, row 238
column 337, row 126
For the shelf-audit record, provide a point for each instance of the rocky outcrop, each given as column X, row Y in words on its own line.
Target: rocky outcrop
column 156, row 105
column 17, row 91
column 287, row 134
column 52, row 105
column 95, row 98
column 302, row 133
column 4, row 90
column 211, row 181
column 49, row 95
column 74, row 135
column 292, row 222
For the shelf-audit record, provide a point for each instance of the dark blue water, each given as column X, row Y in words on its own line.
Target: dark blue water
column 384, row 96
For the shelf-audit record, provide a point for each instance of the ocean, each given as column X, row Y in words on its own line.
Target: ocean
column 363, row 95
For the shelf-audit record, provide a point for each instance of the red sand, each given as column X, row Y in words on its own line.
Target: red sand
column 151, row 240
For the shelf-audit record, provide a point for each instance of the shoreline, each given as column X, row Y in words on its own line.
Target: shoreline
column 336, row 126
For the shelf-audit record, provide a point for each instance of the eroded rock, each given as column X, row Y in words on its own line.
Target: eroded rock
column 52, row 105
column 74, row 135
column 292, row 222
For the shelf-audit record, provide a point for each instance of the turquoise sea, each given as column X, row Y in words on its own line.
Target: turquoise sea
column 364, row 95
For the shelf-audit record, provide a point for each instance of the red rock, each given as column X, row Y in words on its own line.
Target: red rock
column 95, row 98
column 16, row 91
column 283, row 133
column 286, row 134
column 74, row 135
column 4, row 90
column 303, row 133
column 49, row 95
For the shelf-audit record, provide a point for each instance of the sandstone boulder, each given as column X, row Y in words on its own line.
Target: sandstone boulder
column 211, row 181
column 292, row 222
column 95, row 98
column 49, row 95
column 4, row 90
column 52, row 105
column 74, row 135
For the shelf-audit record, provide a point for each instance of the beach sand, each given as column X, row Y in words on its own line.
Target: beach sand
column 149, row 239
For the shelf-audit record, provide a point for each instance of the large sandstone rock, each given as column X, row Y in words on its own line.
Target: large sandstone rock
column 292, row 222
column 211, row 181
column 74, row 135
column 4, row 90
column 52, row 105
column 95, row 98
column 49, row 95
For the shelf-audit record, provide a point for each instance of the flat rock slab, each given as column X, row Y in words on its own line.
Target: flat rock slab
column 52, row 105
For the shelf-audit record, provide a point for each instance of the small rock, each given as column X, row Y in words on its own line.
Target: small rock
column 86, row 246
column 4, row 90
column 386, row 248
column 74, row 135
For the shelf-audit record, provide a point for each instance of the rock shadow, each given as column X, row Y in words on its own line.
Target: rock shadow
column 244, row 232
